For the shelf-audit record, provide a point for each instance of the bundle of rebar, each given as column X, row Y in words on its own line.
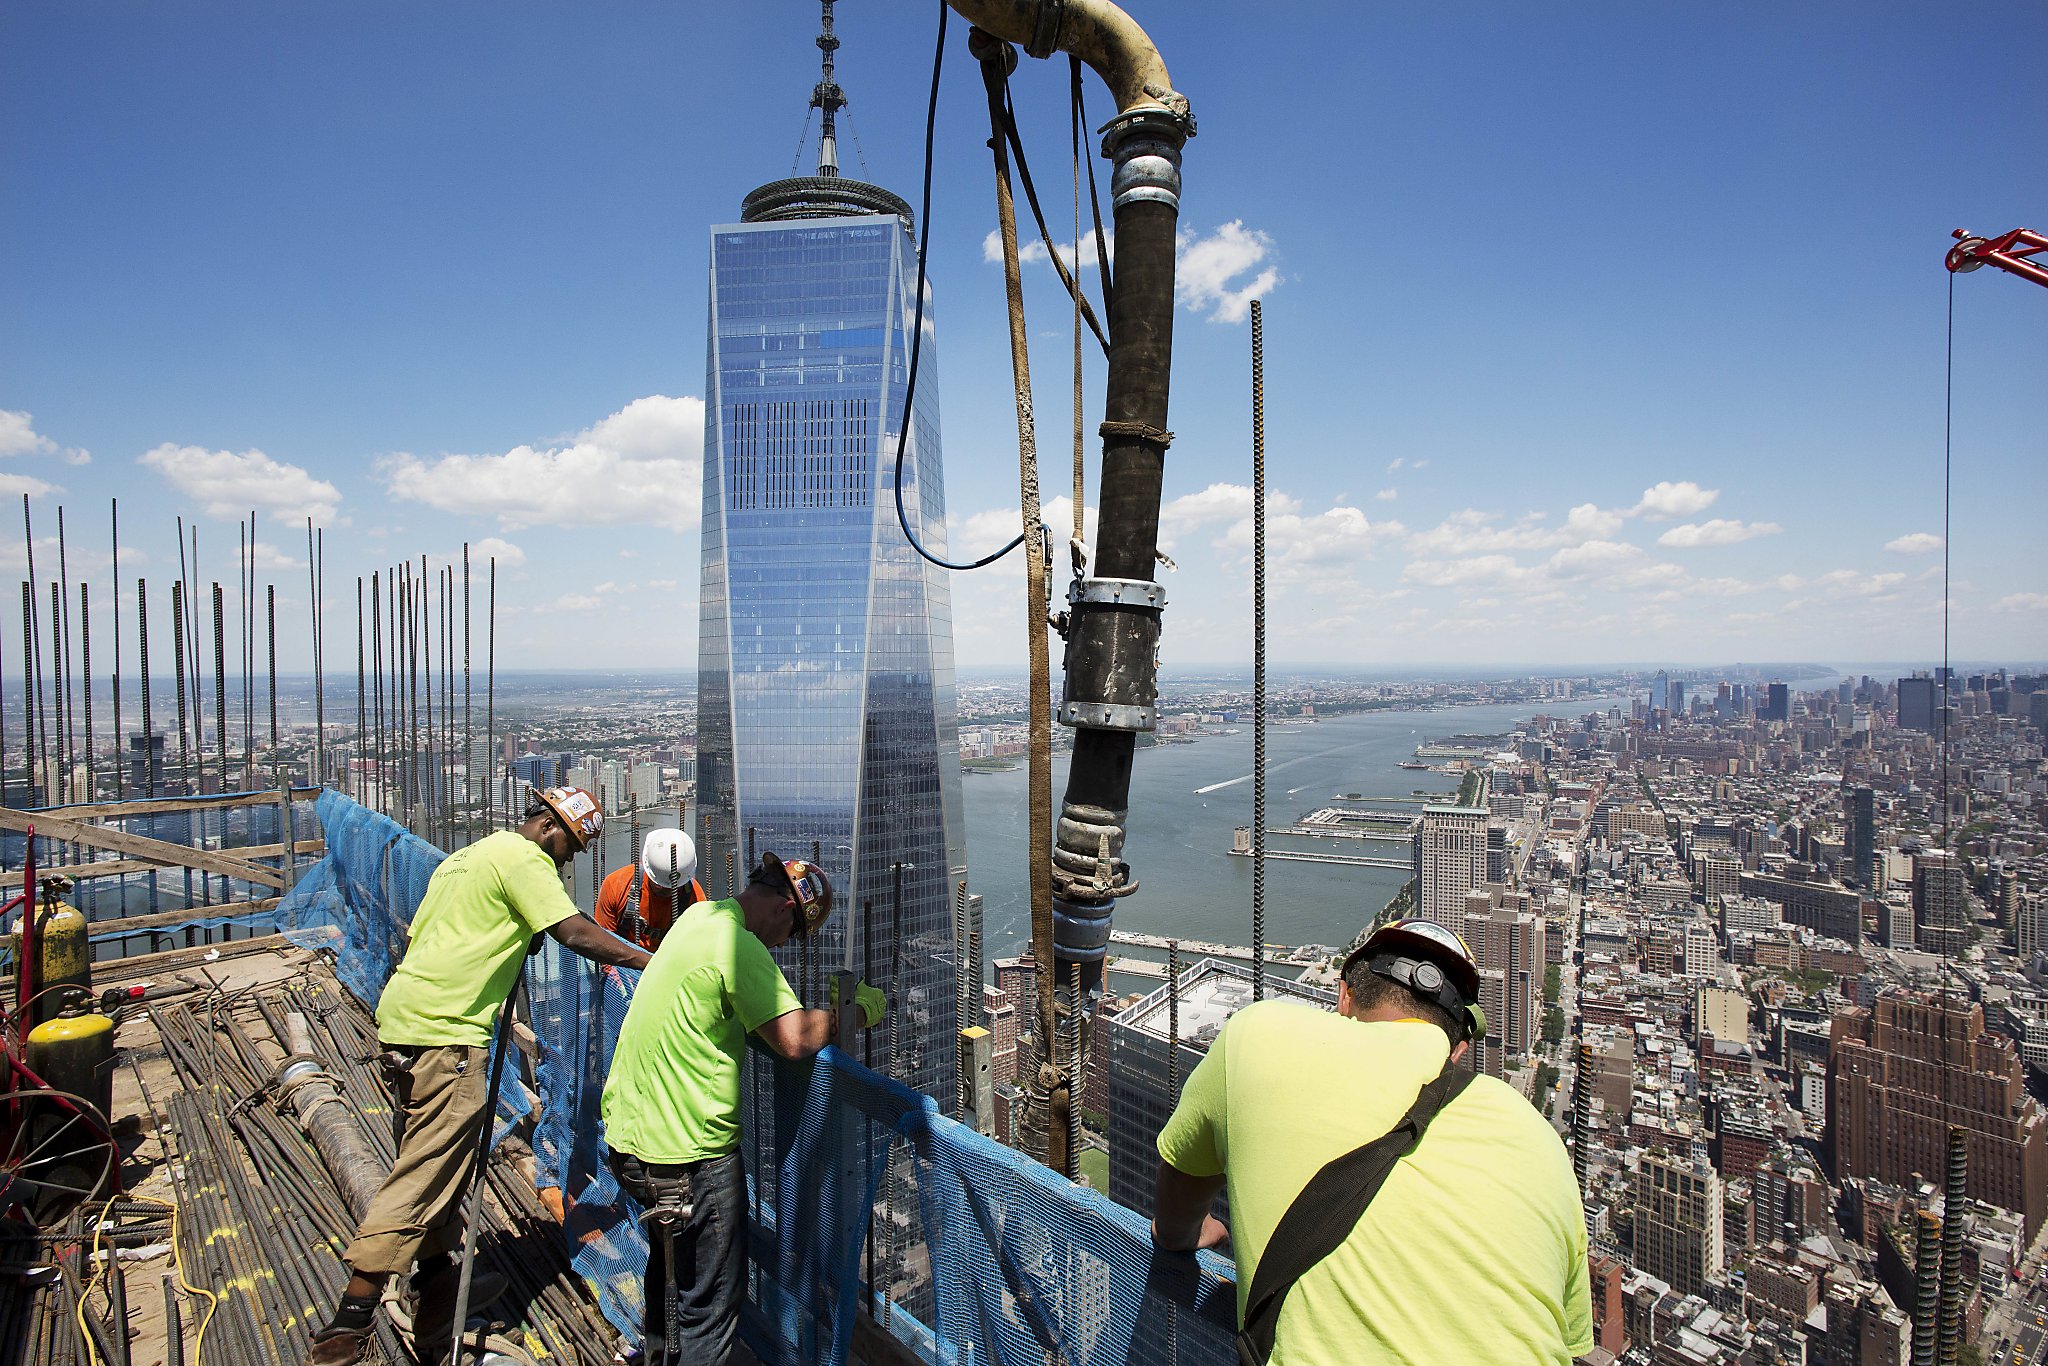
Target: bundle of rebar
column 264, row 1220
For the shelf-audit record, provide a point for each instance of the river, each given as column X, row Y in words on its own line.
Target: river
column 1191, row 886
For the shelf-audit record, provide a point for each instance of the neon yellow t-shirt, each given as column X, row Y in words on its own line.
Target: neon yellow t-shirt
column 1473, row 1250
column 674, row 1090
column 482, row 905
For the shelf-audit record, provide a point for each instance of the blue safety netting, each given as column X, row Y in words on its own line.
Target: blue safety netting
column 976, row 1253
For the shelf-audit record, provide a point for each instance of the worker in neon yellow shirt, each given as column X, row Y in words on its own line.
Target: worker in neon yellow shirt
column 672, row 1101
column 482, row 907
column 1474, row 1249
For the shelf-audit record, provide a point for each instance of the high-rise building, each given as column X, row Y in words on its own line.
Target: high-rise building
column 1660, row 691
column 1941, row 903
column 1778, row 703
column 1862, row 836
column 1508, row 943
column 1916, row 704
column 1903, row 1070
column 2030, row 923
column 1450, row 860
column 1678, row 1226
column 827, row 723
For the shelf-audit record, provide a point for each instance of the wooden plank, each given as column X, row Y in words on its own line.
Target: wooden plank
column 57, row 829
column 156, row 806
column 148, row 964
column 86, row 872
column 140, row 924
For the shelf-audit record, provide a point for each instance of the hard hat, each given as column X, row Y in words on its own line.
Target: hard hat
column 1430, row 961
column 577, row 810
column 806, row 882
column 668, row 857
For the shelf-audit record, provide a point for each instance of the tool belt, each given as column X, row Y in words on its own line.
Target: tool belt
column 662, row 1189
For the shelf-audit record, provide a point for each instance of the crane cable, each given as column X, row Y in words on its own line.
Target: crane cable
column 1948, row 423
column 1004, row 128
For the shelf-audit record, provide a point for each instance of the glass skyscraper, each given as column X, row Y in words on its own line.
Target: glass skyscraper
column 827, row 720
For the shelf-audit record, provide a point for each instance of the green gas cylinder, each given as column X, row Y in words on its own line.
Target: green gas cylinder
column 63, row 957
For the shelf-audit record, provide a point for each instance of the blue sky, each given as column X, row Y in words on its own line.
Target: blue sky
column 1594, row 332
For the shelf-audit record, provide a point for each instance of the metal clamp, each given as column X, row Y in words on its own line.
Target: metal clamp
column 1118, row 593
column 1107, row 716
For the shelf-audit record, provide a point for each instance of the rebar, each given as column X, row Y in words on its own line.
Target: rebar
column 114, row 509
column 491, row 700
column 1258, row 654
column 85, row 664
column 377, row 673
column 63, row 661
column 362, row 716
column 33, row 656
column 468, row 735
column 61, row 755
column 220, row 688
column 28, row 691
column 316, row 570
column 276, row 770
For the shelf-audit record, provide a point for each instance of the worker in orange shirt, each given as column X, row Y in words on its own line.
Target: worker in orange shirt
column 640, row 901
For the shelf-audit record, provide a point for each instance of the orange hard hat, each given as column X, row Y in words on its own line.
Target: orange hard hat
column 576, row 810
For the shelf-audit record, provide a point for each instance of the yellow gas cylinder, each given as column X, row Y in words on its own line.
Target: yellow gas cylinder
column 75, row 1053
column 63, row 957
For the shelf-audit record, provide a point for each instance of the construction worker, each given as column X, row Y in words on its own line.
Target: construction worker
column 638, row 902
column 672, row 1101
column 1473, row 1249
column 469, row 936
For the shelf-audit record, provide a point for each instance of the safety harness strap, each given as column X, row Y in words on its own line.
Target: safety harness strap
column 1328, row 1208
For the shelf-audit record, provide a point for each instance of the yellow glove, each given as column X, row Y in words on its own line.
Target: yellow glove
column 873, row 1004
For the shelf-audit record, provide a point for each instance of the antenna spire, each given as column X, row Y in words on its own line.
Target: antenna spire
column 827, row 97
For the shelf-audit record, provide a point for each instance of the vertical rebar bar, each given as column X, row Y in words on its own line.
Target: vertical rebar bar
column 85, row 681
column 62, row 753
column 354, row 789
column 314, row 573
column 65, row 678
column 142, row 650
column 377, row 674
column 30, row 754
column 468, row 721
column 188, row 785
column 276, row 768
column 220, row 688
column 32, row 654
column 491, row 699
column 114, row 604
column 1258, row 654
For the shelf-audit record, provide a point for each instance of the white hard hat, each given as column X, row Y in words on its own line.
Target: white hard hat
column 668, row 858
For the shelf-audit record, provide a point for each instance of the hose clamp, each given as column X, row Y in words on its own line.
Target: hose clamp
column 1045, row 32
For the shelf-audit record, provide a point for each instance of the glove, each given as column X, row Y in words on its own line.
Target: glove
column 873, row 1004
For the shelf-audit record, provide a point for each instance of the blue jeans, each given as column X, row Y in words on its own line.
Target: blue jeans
column 710, row 1252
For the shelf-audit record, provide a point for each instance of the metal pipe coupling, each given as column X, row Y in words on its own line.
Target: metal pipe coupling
column 1112, row 644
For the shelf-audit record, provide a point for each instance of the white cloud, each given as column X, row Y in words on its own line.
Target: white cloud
column 228, row 484
column 14, row 485
column 641, row 466
column 1719, row 531
column 1914, row 543
column 1387, row 495
column 1469, row 571
column 1222, row 503
column 1209, row 272
column 2024, row 602
column 18, row 436
column 1470, row 530
column 1668, row 501
column 270, row 557
column 1034, row 249
column 1322, row 552
column 1593, row 557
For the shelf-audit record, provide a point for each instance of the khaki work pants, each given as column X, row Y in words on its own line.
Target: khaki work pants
column 442, row 1093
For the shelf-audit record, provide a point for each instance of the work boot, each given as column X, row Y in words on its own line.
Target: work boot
column 339, row 1347
column 433, row 1315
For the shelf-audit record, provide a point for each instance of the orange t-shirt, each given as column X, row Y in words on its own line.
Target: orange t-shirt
column 657, row 907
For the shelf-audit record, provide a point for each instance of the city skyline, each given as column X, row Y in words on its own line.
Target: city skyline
column 430, row 295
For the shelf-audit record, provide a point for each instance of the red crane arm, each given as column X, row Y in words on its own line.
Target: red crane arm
column 2008, row 253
